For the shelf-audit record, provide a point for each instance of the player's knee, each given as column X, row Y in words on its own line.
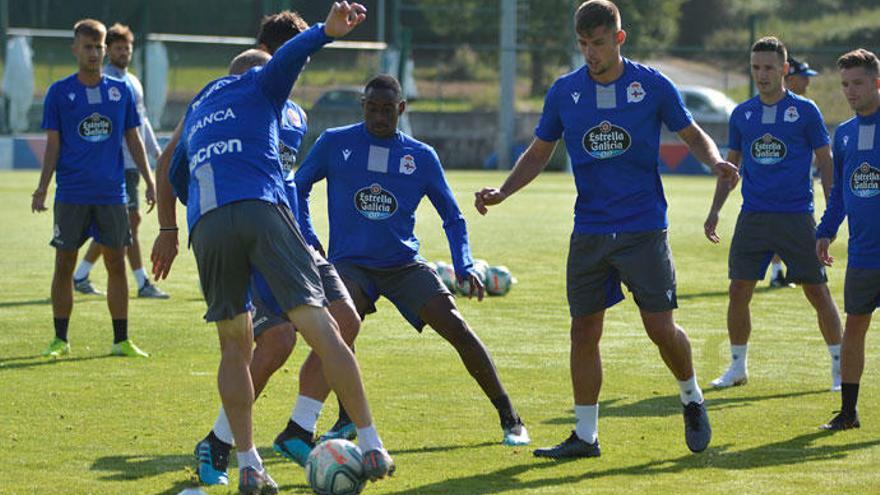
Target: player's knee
column 817, row 292
column 740, row 291
column 585, row 333
column 65, row 261
column 278, row 341
column 663, row 335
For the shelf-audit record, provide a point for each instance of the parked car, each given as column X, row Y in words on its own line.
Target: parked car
column 707, row 105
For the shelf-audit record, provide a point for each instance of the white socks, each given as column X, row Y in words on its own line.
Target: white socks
column 775, row 269
column 82, row 271
column 368, row 439
column 690, row 391
column 250, row 458
column 587, row 426
column 834, row 352
column 739, row 357
column 222, row 430
column 305, row 412
column 141, row 276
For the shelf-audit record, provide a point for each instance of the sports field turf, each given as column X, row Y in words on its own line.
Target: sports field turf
column 93, row 424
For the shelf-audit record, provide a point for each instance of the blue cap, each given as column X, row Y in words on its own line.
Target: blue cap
column 800, row 68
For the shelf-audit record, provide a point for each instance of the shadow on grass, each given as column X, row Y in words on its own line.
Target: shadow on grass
column 39, row 360
column 137, row 467
column 795, row 451
column 669, row 405
column 31, row 302
column 718, row 293
column 441, row 448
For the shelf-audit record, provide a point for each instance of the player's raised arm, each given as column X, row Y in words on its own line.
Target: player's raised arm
column 528, row 166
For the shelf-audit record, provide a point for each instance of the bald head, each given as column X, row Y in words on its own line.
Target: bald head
column 247, row 60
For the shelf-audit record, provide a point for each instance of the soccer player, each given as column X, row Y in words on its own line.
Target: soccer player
column 856, row 195
column 239, row 220
column 774, row 137
column 274, row 335
column 86, row 116
column 120, row 45
column 376, row 178
column 609, row 113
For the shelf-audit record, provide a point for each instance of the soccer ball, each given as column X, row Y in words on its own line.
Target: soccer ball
column 464, row 287
column 499, row 280
column 335, row 467
column 447, row 275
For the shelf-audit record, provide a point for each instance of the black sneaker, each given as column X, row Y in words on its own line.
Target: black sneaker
column 697, row 431
column 212, row 455
column 571, row 448
column 343, row 429
column 843, row 421
column 295, row 443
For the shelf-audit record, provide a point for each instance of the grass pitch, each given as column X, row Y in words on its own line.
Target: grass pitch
column 93, row 424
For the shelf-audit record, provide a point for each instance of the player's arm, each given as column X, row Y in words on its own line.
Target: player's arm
column 166, row 245
column 528, row 166
column 139, row 155
column 454, row 225
column 50, row 161
column 722, row 191
column 834, row 209
column 313, row 169
column 706, row 151
column 825, row 165
column 150, row 140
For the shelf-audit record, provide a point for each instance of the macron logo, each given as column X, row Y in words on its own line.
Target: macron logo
column 346, row 153
column 576, row 96
column 215, row 149
column 72, row 96
column 748, row 115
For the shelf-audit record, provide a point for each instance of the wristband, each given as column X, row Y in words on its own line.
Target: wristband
column 168, row 229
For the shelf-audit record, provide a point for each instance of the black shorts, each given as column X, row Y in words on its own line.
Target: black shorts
column 861, row 291
column 75, row 223
column 231, row 240
column 132, row 178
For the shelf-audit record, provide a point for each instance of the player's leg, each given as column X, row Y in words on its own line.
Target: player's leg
column 593, row 285
column 796, row 244
column 71, row 225
column 81, row 282
column 777, row 273
column 861, row 298
column 750, row 252
column 144, row 287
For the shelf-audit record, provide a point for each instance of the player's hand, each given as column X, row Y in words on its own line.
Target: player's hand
column 709, row 227
column 344, row 17
column 164, row 251
column 728, row 172
column 822, row 246
column 150, row 194
column 477, row 287
column 38, row 200
column 488, row 196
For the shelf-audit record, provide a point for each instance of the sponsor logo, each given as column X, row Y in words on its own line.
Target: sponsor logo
column 635, row 93
column 375, row 203
column 865, row 181
column 218, row 116
column 767, row 150
column 346, row 154
column 748, row 115
column 114, row 94
column 287, row 156
column 576, row 96
column 95, row 128
column 217, row 85
column 606, row 140
column 791, row 114
column 215, row 149
column 407, row 165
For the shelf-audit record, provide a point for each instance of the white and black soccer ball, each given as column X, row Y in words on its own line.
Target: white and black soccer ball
column 499, row 280
column 335, row 467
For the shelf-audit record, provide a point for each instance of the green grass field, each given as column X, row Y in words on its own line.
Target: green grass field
column 92, row 424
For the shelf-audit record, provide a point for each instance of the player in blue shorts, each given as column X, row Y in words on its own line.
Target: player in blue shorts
column 376, row 178
column 774, row 136
column 87, row 116
column 240, row 221
column 856, row 195
column 609, row 113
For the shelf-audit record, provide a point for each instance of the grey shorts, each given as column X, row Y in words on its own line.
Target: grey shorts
column 234, row 238
column 408, row 287
column 74, row 224
column 334, row 290
column 132, row 178
column 790, row 235
column 861, row 291
column 598, row 263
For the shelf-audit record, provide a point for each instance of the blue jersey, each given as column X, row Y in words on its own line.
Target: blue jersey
column 612, row 133
column 231, row 131
column 374, row 187
column 777, row 144
column 91, row 122
column 856, row 190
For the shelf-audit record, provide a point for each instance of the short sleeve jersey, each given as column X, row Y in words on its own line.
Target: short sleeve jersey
column 91, row 122
column 612, row 134
column 777, row 144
